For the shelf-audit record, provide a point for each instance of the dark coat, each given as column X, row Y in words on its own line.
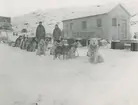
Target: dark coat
column 57, row 34
column 40, row 32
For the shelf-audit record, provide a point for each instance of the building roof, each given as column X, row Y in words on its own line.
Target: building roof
column 94, row 11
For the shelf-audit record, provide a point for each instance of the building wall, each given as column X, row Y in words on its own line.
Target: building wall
column 115, row 31
column 92, row 29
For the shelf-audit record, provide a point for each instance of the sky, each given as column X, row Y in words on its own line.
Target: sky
column 19, row 7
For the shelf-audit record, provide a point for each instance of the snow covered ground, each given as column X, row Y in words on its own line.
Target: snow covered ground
column 25, row 77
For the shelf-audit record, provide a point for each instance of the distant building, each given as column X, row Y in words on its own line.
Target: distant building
column 6, row 30
column 5, row 23
column 110, row 22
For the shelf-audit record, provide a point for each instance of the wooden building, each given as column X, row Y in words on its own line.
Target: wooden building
column 111, row 22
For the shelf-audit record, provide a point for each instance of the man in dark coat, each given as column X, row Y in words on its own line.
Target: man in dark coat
column 57, row 33
column 40, row 32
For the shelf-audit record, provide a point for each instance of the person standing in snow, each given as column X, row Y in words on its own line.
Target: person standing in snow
column 57, row 33
column 40, row 32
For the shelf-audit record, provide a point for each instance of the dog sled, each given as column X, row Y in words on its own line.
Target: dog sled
column 26, row 43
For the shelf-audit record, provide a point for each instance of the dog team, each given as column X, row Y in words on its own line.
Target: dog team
column 60, row 47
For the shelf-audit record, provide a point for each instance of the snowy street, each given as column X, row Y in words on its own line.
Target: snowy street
column 24, row 77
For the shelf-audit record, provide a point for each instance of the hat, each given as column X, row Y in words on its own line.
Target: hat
column 40, row 22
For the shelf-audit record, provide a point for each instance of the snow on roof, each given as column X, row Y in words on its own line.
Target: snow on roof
column 92, row 11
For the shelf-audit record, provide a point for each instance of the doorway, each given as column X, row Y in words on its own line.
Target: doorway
column 123, row 29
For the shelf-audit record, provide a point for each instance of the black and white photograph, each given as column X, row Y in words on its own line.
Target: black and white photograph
column 68, row 52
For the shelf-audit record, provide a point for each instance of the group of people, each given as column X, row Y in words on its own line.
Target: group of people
column 60, row 47
column 41, row 33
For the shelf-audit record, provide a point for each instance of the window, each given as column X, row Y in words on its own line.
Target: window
column 84, row 25
column 99, row 23
column 71, row 26
column 67, row 26
column 114, row 22
column 13, row 33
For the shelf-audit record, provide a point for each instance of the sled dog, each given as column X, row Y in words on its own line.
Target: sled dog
column 93, row 52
